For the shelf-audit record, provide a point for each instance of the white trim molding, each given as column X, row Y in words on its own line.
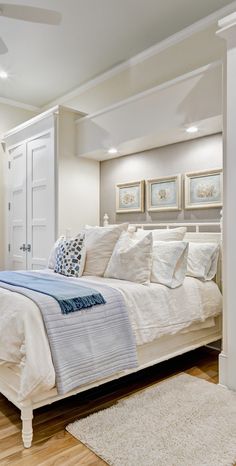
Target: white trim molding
column 226, row 22
column 16, row 103
column 37, row 118
column 223, row 368
column 174, row 39
column 227, row 30
column 30, row 122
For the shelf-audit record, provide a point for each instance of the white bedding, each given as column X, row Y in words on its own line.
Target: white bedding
column 154, row 311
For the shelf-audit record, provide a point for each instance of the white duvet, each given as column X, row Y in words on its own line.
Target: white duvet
column 154, row 311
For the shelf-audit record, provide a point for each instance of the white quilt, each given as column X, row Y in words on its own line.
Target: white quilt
column 154, row 311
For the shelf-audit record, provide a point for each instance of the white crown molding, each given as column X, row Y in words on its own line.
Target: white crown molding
column 52, row 111
column 159, row 87
column 229, row 20
column 15, row 103
column 41, row 115
column 148, row 53
column 227, row 29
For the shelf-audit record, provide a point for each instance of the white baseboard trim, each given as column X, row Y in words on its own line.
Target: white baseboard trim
column 223, row 369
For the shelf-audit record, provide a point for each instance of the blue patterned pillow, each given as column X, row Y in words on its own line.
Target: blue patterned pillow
column 70, row 257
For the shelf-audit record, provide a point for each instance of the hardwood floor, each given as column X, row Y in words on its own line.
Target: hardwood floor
column 52, row 445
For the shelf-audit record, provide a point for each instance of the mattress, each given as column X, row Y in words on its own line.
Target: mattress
column 154, row 311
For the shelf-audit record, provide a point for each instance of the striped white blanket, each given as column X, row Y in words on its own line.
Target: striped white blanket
column 87, row 345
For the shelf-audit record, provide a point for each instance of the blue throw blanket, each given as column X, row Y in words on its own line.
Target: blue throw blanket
column 70, row 296
column 85, row 346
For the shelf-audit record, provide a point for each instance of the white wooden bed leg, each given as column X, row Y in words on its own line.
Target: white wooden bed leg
column 27, row 429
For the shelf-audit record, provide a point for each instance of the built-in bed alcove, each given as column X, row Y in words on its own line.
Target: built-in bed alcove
column 151, row 127
column 153, row 120
column 149, row 134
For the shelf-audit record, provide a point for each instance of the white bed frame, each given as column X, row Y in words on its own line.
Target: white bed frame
column 148, row 355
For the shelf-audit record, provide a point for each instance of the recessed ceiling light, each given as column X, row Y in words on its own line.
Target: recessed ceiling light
column 3, row 75
column 112, row 150
column 192, row 129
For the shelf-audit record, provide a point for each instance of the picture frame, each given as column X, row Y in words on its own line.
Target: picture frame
column 164, row 194
column 130, row 197
column 203, row 189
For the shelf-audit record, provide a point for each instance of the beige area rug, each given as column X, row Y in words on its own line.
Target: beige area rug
column 183, row 421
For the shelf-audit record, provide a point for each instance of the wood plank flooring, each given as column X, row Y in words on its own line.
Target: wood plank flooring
column 53, row 446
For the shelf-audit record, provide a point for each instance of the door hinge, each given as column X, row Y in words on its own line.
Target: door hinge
column 9, row 164
column 9, row 247
column 9, row 206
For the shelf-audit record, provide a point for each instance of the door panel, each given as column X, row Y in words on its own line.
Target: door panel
column 17, row 212
column 40, row 200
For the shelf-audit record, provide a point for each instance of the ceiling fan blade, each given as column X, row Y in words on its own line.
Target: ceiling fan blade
column 30, row 13
column 3, row 47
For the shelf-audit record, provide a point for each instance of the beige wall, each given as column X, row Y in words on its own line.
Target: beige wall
column 9, row 117
column 78, row 182
column 195, row 155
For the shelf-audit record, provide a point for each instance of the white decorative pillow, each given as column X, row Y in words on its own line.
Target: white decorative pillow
column 70, row 257
column 100, row 242
column 169, row 262
column 171, row 234
column 52, row 255
column 202, row 260
column 131, row 259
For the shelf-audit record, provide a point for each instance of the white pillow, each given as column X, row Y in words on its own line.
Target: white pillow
column 202, row 260
column 169, row 262
column 99, row 243
column 53, row 253
column 171, row 234
column 131, row 259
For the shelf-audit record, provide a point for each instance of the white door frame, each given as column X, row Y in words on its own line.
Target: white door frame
column 227, row 359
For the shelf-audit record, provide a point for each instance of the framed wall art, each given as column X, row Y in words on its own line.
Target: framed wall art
column 203, row 190
column 164, row 193
column 130, row 197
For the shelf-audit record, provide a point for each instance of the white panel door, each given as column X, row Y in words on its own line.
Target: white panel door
column 40, row 200
column 17, row 208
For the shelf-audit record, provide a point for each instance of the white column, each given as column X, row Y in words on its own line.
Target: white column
column 227, row 30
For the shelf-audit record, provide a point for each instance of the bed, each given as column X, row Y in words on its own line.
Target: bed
column 160, row 332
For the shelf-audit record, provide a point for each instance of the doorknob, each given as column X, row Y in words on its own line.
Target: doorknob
column 25, row 248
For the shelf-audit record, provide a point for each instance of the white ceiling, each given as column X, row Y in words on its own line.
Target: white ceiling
column 45, row 62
